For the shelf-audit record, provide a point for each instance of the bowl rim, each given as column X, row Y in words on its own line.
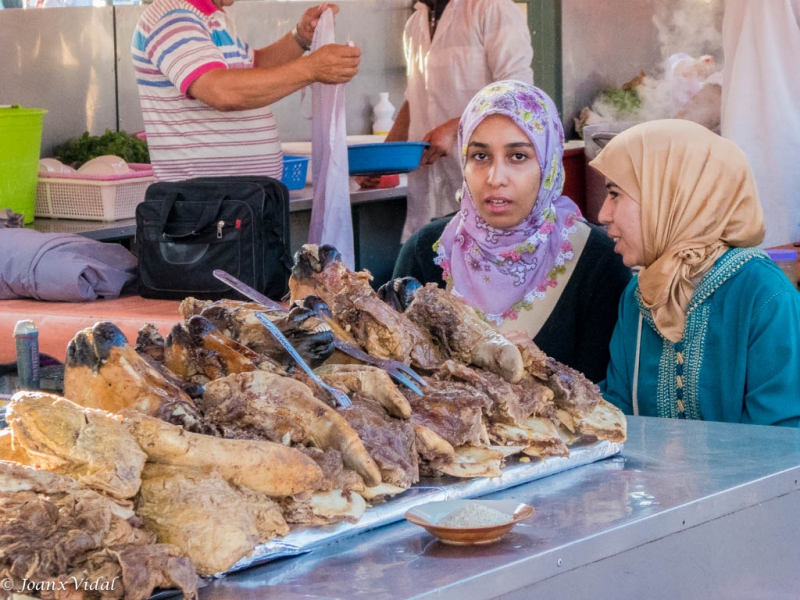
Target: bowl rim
column 521, row 512
column 389, row 145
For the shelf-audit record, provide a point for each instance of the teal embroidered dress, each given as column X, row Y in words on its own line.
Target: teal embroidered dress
column 738, row 361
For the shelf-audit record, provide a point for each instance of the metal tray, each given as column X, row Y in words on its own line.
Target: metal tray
column 306, row 539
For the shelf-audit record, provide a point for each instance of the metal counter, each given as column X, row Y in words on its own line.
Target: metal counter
column 688, row 510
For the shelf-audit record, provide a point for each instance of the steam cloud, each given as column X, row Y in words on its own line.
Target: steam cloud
column 693, row 27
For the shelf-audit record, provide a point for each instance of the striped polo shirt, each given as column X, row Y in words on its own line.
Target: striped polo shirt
column 174, row 43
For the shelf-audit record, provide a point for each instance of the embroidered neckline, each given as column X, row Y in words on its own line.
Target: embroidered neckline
column 677, row 391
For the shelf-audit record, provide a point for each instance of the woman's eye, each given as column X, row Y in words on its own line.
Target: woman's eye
column 479, row 156
column 519, row 156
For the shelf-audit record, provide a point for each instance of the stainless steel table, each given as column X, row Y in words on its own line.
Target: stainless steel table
column 689, row 510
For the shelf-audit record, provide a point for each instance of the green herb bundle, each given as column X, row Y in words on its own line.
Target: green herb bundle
column 77, row 151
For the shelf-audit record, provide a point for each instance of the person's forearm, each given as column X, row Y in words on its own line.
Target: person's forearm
column 243, row 89
column 399, row 130
column 279, row 53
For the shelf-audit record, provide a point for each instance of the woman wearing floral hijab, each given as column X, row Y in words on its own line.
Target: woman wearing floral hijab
column 518, row 251
column 709, row 329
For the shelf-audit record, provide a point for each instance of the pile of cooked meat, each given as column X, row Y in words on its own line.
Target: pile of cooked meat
column 183, row 453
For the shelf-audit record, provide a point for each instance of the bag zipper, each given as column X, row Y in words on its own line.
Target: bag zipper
column 220, row 225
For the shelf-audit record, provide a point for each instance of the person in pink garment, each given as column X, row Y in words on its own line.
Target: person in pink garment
column 205, row 93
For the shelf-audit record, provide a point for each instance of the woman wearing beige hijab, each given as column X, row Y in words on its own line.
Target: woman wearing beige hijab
column 710, row 329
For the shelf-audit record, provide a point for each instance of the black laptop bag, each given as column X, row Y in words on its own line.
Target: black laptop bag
column 186, row 229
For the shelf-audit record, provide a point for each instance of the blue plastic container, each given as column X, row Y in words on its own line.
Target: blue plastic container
column 385, row 158
column 294, row 173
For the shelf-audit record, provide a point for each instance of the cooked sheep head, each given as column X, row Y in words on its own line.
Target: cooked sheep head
column 91, row 446
column 284, row 410
column 55, row 530
column 389, row 441
column 104, row 371
column 198, row 511
column 376, row 326
column 309, row 334
column 461, row 334
column 266, row 467
column 572, row 391
column 371, row 381
column 197, row 351
column 513, row 403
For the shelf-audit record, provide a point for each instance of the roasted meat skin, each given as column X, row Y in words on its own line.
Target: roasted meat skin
column 11, row 451
column 335, row 475
column 323, row 508
column 377, row 327
column 461, row 334
column 371, row 381
column 511, row 402
column 150, row 346
column 451, row 409
column 52, row 528
column 263, row 466
column 432, row 448
column 198, row 511
column 389, row 441
column 572, row 391
column 284, row 410
column 91, row 446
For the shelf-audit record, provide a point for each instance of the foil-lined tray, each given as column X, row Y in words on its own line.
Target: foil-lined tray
column 306, row 539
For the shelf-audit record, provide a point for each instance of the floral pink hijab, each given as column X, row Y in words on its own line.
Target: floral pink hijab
column 500, row 272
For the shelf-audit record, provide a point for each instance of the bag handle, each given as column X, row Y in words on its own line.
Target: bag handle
column 204, row 221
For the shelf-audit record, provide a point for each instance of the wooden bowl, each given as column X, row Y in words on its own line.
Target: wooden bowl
column 428, row 515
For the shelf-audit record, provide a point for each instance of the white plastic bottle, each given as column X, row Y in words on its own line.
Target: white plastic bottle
column 382, row 115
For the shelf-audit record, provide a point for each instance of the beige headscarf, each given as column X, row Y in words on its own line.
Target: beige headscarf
column 698, row 198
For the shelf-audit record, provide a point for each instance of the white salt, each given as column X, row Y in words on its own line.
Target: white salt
column 475, row 515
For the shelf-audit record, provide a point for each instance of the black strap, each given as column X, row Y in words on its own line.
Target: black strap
column 207, row 218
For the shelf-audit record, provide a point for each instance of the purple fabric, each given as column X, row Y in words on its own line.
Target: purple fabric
column 61, row 266
column 502, row 271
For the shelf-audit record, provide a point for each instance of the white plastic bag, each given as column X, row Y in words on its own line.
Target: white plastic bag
column 331, row 222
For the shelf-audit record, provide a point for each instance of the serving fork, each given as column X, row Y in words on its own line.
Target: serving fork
column 341, row 398
column 400, row 372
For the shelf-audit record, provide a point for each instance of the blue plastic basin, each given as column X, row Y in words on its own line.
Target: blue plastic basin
column 385, row 158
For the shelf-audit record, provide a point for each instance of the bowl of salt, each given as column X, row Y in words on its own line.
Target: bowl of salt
column 463, row 522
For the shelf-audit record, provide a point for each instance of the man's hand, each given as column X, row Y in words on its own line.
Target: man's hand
column 441, row 139
column 308, row 22
column 334, row 63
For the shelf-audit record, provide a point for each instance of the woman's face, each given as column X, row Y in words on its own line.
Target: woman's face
column 623, row 217
column 502, row 172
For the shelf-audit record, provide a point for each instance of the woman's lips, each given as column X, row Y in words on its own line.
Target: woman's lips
column 497, row 205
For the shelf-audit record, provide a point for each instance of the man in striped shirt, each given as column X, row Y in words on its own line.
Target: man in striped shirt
column 205, row 93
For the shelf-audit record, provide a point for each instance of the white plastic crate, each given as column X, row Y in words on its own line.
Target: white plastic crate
column 92, row 197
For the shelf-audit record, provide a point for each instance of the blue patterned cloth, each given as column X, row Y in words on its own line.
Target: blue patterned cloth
column 738, row 361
